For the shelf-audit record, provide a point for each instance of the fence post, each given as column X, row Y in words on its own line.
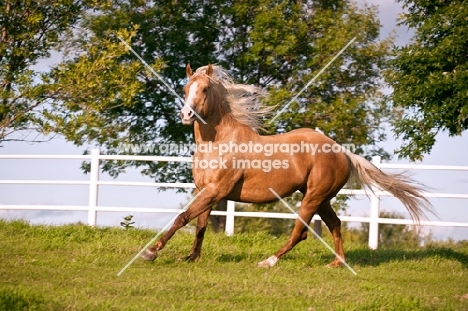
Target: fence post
column 374, row 213
column 93, row 187
column 230, row 218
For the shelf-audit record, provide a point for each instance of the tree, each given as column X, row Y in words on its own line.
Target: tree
column 429, row 76
column 104, row 95
column 28, row 32
column 283, row 44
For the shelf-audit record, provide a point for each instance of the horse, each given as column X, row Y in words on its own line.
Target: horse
column 233, row 161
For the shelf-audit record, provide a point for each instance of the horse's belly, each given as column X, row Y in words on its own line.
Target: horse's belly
column 263, row 188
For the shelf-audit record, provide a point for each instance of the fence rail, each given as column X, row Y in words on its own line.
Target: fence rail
column 94, row 183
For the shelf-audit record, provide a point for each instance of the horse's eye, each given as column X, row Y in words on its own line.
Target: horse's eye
column 205, row 89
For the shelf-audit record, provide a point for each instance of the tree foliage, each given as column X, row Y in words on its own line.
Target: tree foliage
column 28, row 32
column 429, row 76
column 101, row 94
column 284, row 44
column 104, row 95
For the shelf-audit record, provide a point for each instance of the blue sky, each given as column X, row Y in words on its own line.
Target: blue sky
column 447, row 151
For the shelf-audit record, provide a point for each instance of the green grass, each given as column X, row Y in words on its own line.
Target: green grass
column 75, row 268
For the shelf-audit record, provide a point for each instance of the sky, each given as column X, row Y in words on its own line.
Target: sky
column 447, row 151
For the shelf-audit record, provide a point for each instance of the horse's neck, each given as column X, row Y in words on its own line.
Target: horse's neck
column 222, row 128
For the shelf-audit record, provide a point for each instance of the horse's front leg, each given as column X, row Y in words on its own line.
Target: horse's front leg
column 201, row 205
column 202, row 223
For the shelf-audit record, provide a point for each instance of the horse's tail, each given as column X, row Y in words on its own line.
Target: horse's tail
column 399, row 185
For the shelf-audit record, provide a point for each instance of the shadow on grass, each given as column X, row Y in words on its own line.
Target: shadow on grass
column 364, row 257
column 233, row 257
column 367, row 257
column 13, row 299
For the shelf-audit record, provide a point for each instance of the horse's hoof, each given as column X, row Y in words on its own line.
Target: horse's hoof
column 267, row 263
column 192, row 258
column 335, row 264
column 149, row 255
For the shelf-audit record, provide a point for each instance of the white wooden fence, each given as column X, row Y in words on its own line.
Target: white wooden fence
column 94, row 183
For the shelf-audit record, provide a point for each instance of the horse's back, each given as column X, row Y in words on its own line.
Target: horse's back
column 299, row 135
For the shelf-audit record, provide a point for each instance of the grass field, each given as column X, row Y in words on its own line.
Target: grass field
column 75, row 268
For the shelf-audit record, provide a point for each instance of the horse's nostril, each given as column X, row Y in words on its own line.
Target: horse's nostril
column 190, row 113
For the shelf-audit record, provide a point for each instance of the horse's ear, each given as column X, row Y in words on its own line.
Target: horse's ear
column 209, row 70
column 189, row 71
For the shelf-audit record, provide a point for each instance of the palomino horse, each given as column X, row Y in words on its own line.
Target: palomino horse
column 232, row 161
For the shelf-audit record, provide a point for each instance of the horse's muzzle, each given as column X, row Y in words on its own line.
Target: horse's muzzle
column 187, row 115
column 187, row 121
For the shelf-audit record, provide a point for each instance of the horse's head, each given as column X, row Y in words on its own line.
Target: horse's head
column 198, row 95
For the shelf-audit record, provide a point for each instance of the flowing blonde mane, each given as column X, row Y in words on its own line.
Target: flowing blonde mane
column 244, row 101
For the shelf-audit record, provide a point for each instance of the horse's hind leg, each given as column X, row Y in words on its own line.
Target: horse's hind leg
column 298, row 234
column 333, row 223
